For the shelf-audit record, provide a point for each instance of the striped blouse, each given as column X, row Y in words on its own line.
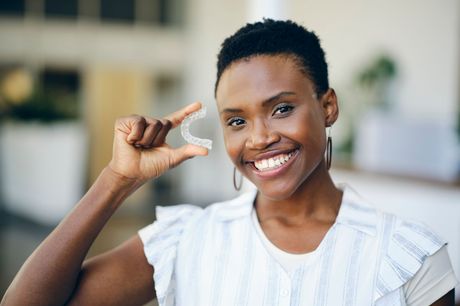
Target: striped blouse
column 214, row 256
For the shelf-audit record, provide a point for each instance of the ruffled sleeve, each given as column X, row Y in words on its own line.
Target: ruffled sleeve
column 160, row 240
column 408, row 244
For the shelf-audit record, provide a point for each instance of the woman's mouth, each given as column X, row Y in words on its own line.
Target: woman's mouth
column 274, row 165
column 273, row 162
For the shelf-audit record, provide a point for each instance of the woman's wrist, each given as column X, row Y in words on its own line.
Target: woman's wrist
column 119, row 186
column 120, row 180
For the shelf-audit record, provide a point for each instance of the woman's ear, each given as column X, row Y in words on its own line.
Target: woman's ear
column 330, row 107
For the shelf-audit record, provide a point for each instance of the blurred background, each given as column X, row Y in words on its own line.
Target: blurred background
column 68, row 68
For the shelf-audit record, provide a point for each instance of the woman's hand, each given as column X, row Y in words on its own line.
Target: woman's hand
column 54, row 275
column 139, row 148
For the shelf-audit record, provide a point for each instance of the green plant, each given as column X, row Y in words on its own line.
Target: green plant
column 370, row 88
column 20, row 100
column 375, row 79
column 40, row 106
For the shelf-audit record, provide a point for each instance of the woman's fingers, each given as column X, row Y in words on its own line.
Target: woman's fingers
column 185, row 152
column 137, row 127
column 177, row 117
column 156, row 135
column 150, row 132
column 147, row 132
column 166, row 126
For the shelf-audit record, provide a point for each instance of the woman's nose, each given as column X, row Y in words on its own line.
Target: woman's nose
column 261, row 137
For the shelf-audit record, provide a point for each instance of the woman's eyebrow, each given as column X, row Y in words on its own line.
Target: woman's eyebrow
column 277, row 97
column 231, row 110
column 264, row 103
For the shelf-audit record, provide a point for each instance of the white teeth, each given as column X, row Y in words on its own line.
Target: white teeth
column 273, row 162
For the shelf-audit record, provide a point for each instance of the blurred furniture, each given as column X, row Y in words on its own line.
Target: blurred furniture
column 42, row 168
column 393, row 144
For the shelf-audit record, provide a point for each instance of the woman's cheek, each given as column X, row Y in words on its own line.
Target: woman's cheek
column 233, row 146
column 292, row 129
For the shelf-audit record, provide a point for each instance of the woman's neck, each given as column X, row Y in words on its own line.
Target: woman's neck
column 317, row 198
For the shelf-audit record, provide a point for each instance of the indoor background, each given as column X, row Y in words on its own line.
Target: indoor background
column 68, row 68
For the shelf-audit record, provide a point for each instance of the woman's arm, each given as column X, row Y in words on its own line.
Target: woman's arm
column 120, row 277
column 50, row 274
column 54, row 275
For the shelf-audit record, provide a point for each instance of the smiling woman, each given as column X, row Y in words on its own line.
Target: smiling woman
column 269, row 109
column 299, row 239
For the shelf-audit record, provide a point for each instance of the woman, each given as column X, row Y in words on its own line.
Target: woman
column 298, row 240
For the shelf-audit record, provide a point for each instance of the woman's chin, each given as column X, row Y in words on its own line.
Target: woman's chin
column 276, row 193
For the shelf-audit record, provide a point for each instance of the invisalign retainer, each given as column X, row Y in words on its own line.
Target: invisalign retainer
column 185, row 129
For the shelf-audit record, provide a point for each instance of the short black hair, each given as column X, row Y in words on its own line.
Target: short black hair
column 277, row 37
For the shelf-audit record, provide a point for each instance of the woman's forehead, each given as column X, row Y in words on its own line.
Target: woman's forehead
column 260, row 77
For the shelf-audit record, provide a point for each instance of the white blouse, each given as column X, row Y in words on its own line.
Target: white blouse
column 434, row 278
column 214, row 256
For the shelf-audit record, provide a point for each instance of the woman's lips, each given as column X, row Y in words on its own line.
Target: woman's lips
column 274, row 166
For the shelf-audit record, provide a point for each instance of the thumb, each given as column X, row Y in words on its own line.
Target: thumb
column 187, row 151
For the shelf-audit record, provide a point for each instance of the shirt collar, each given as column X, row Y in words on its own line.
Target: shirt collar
column 355, row 212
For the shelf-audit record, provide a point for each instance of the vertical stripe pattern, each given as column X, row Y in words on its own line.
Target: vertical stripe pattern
column 220, row 267
column 244, row 283
column 272, row 287
column 325, row 273
column 297, row 281
column 214, row 256
column 353, row 269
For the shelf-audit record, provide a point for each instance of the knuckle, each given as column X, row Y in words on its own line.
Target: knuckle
column 139, row 119
column 167, row 123
column 172, row 161
column 156, row 123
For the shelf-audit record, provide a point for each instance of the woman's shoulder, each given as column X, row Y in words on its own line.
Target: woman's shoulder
column 185, row 215
column 357, row 210
column 405, row 246
column 238, row 207
column 402, row 245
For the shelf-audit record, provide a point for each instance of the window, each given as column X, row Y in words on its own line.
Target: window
column 60, row 80
column 167, row 13
column 12, row 7
column 62, row 87
column 60, row 8
column 117, row 10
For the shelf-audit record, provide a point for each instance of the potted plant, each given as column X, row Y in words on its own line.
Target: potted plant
column 42, row 148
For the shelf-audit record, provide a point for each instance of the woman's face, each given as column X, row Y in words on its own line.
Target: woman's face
column 273, row 124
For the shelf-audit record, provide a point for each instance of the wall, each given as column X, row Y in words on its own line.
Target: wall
column 208, row 23
column 424, row 38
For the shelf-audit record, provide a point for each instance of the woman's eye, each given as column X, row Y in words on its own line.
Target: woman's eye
column 283, row 109
column 235, row 122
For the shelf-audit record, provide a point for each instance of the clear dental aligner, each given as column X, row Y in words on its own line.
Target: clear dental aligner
column 185, row 129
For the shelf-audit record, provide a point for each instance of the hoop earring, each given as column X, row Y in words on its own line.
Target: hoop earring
column 237, row 188
column 329, row 149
